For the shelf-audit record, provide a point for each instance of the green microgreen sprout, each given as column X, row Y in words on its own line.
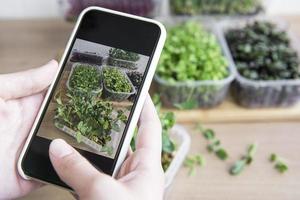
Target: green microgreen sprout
column 216, row 7
column 89, row 117
column 85, row 78
column 124, row 55
column 191, row 162
column 192, row 53
column 115, row 80
column 214, row 145
column 262, row 51
column 280, row 165
column 247, row 159
column 187, row 105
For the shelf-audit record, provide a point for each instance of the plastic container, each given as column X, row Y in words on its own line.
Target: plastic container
column 253, row 11
column 183, row 142
column 136, row 80
column 97, row 92
column 102, row 150
column 86, row 57
column 117, row 96
column 72, row 8
column 207, row 94
column 122, row 63
column 258, row 94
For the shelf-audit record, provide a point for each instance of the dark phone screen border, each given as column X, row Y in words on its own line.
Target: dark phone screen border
column 108, row 29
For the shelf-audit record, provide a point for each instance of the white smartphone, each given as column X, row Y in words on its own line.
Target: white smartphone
column 98, row 93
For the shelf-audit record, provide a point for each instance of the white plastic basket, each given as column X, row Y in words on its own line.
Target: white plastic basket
column 115, row 137
column 183, row 142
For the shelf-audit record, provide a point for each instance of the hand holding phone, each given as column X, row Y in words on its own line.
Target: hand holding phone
column 98, row 93
column 12, row 139
column 140, row 171
column 19, row 104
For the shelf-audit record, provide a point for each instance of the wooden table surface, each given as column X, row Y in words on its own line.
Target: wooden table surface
column 26, row 44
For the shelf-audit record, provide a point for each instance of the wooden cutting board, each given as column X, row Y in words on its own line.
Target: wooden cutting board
column 228, row 111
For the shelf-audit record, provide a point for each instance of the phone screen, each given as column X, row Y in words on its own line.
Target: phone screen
column 96, row 92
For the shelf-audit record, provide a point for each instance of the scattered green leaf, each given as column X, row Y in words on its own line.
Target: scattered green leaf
column 281, row 167
column 280, row 164
column 238, row 167
column 247, row 159
column 191, row 162
column 209, row 134
column 214, row 145
column 273, row 157
column 222, row 154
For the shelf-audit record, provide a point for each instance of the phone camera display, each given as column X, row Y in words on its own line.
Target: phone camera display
column 94, row 97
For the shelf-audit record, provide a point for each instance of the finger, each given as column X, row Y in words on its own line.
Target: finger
column 129, row 152
column 149, row 134
column 74, row 169
column 30, row 106
column 21, row 84
column 29, row 186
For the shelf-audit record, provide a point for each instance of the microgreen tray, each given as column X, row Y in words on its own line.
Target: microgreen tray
column 86, row 57
column 97, row 92
column 108, row 150
column 122, row 63
column 183, row 142
column 212, row 10
column 117, row 96
column 205, row 94
column 262, row 94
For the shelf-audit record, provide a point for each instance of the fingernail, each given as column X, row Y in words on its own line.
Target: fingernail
column 59, row 148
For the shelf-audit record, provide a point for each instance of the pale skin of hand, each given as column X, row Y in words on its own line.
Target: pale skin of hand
column 21, row 95
column 141, row 175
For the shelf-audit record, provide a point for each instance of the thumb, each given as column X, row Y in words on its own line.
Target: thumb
column 21, row 84
column 74, row 169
